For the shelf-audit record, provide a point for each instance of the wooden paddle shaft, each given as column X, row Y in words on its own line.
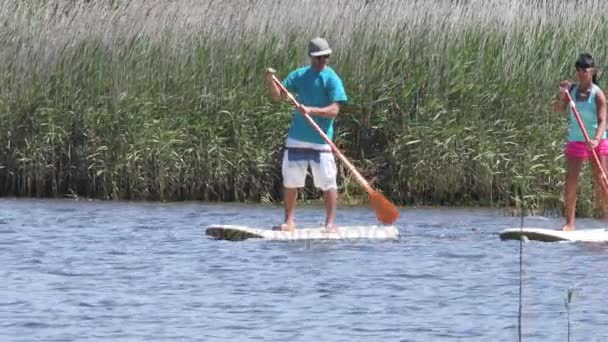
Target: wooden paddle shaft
column 350, row 166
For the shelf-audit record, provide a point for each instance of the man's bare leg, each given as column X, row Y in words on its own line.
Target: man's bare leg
column 290, row 199
column 331, row 202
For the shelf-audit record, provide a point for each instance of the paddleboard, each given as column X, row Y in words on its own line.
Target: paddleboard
column 553, row 235
column 237, row 233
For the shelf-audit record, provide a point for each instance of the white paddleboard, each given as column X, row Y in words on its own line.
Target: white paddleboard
column 552, row 235
column 236, row 233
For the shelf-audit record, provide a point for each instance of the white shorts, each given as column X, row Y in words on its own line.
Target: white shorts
column 324, row 171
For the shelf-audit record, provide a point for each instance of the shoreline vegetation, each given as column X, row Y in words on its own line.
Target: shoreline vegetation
column 165, row 100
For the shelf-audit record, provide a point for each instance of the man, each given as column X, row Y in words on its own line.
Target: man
column 320, row 92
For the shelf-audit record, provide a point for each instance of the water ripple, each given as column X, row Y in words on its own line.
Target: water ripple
column 122, row 271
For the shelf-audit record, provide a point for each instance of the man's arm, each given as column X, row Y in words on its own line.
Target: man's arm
column 330, row 111
column 337, row 95
column 275, row 91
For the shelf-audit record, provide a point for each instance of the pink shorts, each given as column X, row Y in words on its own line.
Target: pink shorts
column 579, row 149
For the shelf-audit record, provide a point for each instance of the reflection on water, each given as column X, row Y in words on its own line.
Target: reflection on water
column 145, row 271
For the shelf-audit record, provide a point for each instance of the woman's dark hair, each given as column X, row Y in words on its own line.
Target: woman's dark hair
column 585, row 61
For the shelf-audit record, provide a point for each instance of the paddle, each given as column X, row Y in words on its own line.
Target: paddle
column 582, row 126
column 386, row 212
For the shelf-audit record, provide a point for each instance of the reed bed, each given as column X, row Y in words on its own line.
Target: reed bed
column 164, row 100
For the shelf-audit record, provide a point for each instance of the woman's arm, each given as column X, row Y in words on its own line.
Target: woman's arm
column 561, row 103
column 600, row 102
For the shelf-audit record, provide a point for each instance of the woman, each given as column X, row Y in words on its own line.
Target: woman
column 590, row 103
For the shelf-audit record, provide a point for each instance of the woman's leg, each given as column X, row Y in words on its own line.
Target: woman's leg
column 573, row 170
column 601, row 187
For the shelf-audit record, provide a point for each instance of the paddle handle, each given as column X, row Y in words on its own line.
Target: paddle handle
column 336, row 151
column 582, row 126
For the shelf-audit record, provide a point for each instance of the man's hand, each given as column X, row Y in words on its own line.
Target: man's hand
column 275, row 91
column 304, row 110
column 270, row 72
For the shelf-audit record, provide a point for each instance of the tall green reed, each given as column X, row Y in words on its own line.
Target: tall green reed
column 165, row 100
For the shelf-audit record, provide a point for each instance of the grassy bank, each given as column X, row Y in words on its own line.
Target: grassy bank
column 165, row 100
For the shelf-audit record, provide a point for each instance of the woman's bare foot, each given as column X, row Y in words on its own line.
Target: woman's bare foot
column 568, row 227
column 287, row 227
column 331, row 229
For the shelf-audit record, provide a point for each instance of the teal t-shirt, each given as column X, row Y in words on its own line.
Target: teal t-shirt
column 315, row 89
column 587, row 109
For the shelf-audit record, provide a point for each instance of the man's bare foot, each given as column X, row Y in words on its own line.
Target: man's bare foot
column 568, row 227
column 331, row 229
column 287, row 227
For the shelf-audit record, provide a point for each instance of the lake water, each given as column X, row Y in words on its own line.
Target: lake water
column 119, row 271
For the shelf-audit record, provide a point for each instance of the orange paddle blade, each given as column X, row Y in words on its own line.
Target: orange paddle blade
column 386, row 212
